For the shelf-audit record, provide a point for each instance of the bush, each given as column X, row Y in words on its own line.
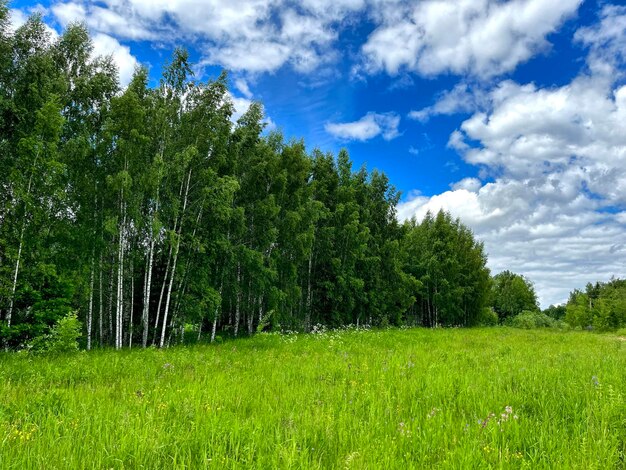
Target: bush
column 63, row 336
column 488, row 317
column 529, row 320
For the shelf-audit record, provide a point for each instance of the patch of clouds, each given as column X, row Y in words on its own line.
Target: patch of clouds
column 243, row 87
column 369, row 126
column 556, row 157
column 461, row 99
column 105, row 45
column 483, row 38
column 241, row 106
column 255, row 36
column 468, row 184
column 430, row 37
column 606, row 40
column 18, row 18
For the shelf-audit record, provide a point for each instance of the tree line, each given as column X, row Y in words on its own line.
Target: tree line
column 147, row 212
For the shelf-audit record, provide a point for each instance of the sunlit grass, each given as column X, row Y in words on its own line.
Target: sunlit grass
column 352, row 399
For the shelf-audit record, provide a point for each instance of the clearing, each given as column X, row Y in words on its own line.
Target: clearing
column 415, row 398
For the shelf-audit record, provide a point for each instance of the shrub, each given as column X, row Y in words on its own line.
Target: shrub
column 63, row 336
column 529, row 320
column 488, row 317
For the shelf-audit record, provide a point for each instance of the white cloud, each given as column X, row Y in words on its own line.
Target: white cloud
column 242, row 35
column 461, row 99
column 105, row 45
column 468, row 184
column 606, row 39
column 366, row 128
column 557, row 157
column 243, row 87
column 480, row 37
column 483, row 37
column 17, row 18
column 242, row 105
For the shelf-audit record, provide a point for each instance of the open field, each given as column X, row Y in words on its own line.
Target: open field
column 480, row 398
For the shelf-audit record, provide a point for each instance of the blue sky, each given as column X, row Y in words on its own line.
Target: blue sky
column 510, row 114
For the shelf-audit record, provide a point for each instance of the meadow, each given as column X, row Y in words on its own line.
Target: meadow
column 414, row 398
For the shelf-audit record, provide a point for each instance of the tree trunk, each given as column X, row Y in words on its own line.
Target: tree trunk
column 15, row 274
column 100, row 305
column 90, row 311
column 238, row 304
column 217, row 311
column 132, row 305
column 165, row 277
column 309, row 296
column 120, row 280
column 110, row 306
column 145, row 318
column 169, row 289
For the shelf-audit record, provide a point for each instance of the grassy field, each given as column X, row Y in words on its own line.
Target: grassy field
column 481, row 398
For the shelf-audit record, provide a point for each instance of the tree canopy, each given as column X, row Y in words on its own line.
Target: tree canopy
column 512, row 294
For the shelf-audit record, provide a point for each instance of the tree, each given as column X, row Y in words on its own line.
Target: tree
column 450, row 265
column 511, row 294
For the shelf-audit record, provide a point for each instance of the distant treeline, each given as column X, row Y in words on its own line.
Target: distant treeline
column 601, row 306
column 146, row 211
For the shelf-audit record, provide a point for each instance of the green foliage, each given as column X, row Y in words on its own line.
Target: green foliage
column 450, row 279
column 63, row 337
column 531, row 319
column 601, row 307
column 488, row 317
column 557, row 312
column 365, row 399
column 511, row 294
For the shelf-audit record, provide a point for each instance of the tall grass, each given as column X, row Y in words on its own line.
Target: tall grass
column 481, row 398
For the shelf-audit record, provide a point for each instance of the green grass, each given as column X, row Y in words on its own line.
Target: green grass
column 354, row 399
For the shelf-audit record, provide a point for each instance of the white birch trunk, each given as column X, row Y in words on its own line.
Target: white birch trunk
column 132, row 305
column 146, row 298
column 238, row 304
column 120, row 281
column 15, row 274
column 217, row 311
column 90, row 311
column 100, row 305
column 169, row 289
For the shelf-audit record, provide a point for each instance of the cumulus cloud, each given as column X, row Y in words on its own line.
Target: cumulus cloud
column 606, row 39
column 366, row 128
column 483, row 37
column 241, row 105
column 461, row 99
column 557, row 158
column 105, row 45
column 479, row 37
column 18, row 17
column 468, row 184
column 242, row 35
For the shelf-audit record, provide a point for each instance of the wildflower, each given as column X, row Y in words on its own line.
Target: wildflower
column 508, row 410
column 595, row 381
column 484, row 423
column 167, row 366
